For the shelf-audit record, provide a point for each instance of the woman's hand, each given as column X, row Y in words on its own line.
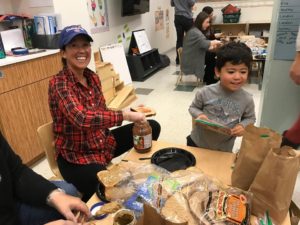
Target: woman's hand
column 238, row 130
column 66, row 205
column 134, row 116
column 214, row 44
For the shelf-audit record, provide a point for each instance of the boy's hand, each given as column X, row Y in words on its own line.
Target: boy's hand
column 202, row 117
column 238, row 130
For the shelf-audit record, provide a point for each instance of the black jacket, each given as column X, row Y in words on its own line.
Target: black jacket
column 18, row 183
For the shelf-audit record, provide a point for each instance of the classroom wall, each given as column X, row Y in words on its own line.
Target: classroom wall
column 78, row 15
column 251, row 10
column 280, row 105
column 5, row 7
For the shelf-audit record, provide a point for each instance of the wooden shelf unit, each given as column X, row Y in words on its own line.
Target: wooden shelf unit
column 232, row 29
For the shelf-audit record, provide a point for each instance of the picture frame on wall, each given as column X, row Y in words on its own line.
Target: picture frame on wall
column 97, row 10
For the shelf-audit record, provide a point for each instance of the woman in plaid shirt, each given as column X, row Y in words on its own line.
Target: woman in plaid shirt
column 81, row 120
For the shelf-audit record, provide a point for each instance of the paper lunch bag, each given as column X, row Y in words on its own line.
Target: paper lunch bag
column 256, row 144
column 152, row 217
column 274, row 183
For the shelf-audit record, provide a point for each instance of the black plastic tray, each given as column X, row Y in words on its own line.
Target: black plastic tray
column 173, row 159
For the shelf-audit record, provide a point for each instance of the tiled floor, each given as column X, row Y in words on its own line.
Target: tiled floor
column 172, row 111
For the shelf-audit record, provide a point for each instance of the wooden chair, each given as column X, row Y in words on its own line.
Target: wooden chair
column 45, row 133
column 181, row 74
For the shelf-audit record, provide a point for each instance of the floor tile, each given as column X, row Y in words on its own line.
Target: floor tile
column 186, row 88
column 143, row 91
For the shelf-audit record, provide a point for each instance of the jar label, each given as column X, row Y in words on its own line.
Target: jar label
column 142, row 142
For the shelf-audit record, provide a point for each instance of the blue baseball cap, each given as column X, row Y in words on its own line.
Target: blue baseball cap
column 69, row 32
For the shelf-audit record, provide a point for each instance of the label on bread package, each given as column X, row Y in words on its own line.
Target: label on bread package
column 154, row 192
column 231, row 207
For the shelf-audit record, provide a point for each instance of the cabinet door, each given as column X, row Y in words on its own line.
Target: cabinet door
column 24, row 73
column 22, row 111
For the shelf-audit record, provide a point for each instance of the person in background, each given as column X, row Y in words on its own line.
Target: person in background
column 183, row 20
column 195, row 45
column 210, row 56
column 27, row 198
column 291, row 137
column 224, row 102
column 81, row 121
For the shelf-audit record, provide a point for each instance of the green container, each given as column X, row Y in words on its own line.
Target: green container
column 231, row 18
column 2, row 51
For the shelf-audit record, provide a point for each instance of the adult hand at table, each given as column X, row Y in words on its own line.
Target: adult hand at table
column 134, row 116
column 66, row 205
column 295, row 69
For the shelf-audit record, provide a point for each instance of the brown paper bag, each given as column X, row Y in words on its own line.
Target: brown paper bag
column 152, row 217
column 274, row 183
column 256, row 144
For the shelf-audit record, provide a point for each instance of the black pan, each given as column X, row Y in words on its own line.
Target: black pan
column 173, row 159
column 100, row 192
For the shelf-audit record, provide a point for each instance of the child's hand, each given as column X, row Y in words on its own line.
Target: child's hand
column 202, row 117
column 238, row 130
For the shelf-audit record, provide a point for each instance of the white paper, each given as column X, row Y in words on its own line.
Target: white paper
column 142, row 41
column 116, row 56
column 40, row 3
column 12, row 39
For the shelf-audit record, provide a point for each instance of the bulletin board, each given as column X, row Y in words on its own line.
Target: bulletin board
column 287, row 29
column 115, row 54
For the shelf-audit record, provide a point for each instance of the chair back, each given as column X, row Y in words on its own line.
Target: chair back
column 179, row 51
column 46, row 136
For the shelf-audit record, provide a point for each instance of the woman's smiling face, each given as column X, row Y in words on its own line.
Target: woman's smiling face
column 78, row 53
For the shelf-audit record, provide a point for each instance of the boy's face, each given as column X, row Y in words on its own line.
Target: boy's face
column 232, row 77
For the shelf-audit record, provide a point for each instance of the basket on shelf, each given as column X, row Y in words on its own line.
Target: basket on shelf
column 231, row 18
column 231, row 14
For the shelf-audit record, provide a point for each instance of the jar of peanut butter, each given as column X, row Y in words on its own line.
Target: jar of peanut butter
column 142, row 136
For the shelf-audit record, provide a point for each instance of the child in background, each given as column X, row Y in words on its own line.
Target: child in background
column 224, row 102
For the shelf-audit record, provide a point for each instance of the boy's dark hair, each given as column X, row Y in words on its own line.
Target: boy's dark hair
column 200, row 19
column 234, row 52
column 208, row 10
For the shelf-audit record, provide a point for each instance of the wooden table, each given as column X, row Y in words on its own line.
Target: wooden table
column 214, row 163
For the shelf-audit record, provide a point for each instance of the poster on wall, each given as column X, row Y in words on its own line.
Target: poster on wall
column 287, row 29
column 159, row 20
column 167, row 24
column 98, row 15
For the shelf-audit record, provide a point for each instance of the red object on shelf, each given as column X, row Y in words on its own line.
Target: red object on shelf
column 230, row 9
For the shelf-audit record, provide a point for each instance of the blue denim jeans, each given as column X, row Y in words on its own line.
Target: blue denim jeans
column 31, row 215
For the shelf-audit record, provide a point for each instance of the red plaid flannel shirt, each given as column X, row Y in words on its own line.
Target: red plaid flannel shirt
column 81, row 119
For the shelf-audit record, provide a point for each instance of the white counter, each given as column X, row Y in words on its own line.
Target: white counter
column 16, row 59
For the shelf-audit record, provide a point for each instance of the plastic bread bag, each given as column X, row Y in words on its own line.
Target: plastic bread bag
column 153, row 192
column 115, row 175
column 121, row 180
column 176, row 210
column 193, row 179
column 120, row 192
column 223, row 206
column 143, row 171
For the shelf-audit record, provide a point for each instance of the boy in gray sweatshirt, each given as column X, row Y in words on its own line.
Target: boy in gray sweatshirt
column 224, row 102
